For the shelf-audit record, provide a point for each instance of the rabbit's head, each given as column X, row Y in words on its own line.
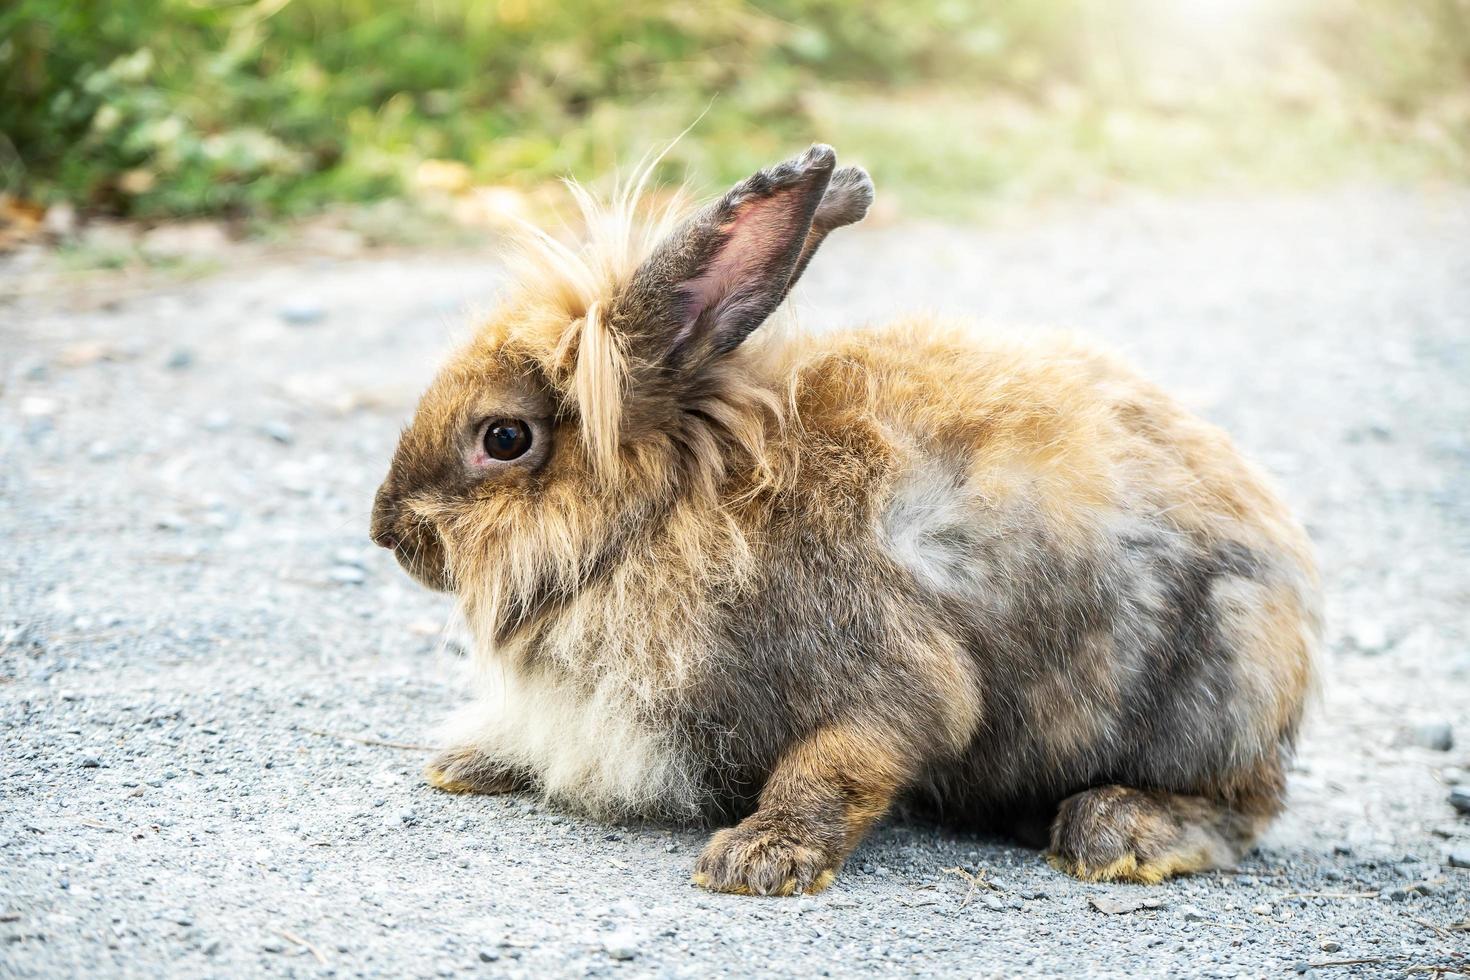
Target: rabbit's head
column 607, row 385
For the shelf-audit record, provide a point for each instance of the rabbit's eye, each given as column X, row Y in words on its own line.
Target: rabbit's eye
column 507, row 439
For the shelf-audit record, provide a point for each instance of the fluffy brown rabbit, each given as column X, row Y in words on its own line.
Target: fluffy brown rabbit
column 795, row 581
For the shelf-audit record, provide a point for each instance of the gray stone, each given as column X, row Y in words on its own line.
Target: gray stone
column 302, row 312
column 279, row 431
column 1437, row 736
column 621, row 945
column 347, row 574
column 1369, row 634
column 1115, row 905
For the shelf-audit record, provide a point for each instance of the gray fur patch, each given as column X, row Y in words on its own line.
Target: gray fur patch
column 1119, row 636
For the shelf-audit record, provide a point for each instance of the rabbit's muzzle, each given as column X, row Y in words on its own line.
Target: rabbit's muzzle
column 414, row 541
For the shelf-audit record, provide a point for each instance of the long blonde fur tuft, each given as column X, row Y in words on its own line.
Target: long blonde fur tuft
column 579, row 283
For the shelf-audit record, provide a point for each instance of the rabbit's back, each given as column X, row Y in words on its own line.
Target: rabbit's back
column 1134, row 601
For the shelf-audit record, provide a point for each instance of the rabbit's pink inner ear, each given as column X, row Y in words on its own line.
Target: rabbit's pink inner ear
column 755, row 246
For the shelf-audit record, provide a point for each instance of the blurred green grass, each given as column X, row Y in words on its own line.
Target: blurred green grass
column 269, row 108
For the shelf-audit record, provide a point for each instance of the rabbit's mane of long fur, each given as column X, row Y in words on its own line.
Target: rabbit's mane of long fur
column 578, row 283
column 652, row 518
column 575, row 286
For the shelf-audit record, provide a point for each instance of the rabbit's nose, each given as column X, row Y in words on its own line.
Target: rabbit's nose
column 381, row 529
column 384, row 518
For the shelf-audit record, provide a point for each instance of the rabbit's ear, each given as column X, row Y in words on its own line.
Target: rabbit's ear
column 727, row 268
column 847, row 199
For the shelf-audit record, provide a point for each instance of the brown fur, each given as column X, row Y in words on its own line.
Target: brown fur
column 797, row 579
column 818, row 802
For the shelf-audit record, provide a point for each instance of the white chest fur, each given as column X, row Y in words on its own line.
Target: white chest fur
column 585, row 748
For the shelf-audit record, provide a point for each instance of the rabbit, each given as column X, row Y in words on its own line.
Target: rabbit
column 790, row 582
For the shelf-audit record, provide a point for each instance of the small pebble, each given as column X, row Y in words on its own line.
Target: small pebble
column 37, row 406
column 347, row 574
column 1460, row 857
column 181, row 359
column 1436, row 736
column 1329, row 946
column 302, row 312
column 279, row 431
column 621, row 945
column 1370, row 635
column 1460, row 798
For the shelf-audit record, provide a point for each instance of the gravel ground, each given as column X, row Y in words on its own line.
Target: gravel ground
column 211, row 686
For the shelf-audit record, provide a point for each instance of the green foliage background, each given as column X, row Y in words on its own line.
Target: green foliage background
column 273, row 107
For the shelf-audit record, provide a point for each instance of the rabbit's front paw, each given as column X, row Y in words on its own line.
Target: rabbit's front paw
column 766, row 856
column 467, row 770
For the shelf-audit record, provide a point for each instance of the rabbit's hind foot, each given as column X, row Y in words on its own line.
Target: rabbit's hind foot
column 1116, row 833
column 467, row 770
